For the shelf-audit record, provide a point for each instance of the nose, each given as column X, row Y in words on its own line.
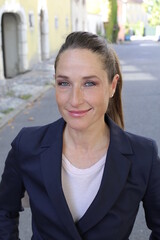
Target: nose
column 76, row 96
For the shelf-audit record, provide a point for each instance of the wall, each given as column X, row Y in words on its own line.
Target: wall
column 42, row 26
column 95, row 16
column 59, row 13
column 135, row 13
column 95, row 24
column 79, row 15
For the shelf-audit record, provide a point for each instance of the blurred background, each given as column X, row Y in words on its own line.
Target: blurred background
column 33, row 30
column 31, row 33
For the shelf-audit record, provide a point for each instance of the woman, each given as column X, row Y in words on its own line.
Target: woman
column 85, row 176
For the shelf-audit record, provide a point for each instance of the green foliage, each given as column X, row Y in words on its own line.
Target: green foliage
column 152, row 7
column 112, row 26
column 6, row 111
column 25, row 96
column 137, row 28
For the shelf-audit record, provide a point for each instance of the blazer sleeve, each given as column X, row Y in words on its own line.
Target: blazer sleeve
column 151, row 201
column 11, row 193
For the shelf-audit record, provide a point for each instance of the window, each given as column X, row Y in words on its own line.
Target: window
column 76, row 24
column 67, row 22
column 56, row 22
column 31, row 19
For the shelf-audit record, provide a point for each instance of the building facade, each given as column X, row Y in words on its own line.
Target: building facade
column 79, row 15
column 130, row 12
column 136, row 12
column 122, row 18
column 97, row 16
column 31, row 31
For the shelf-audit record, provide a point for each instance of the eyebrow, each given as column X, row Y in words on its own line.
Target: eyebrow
column 61, row 76
column 85, row 77
column 90, row 76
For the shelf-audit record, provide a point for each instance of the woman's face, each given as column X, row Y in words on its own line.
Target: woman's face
column 82, row 89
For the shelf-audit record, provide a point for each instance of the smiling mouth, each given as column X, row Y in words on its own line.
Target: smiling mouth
column 79, row 113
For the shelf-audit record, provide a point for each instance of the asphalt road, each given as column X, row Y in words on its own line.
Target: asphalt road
column 140, row 63
column 141, row 99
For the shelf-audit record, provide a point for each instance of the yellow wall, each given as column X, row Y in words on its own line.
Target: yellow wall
column 93, row 7
column 32, row 34
column 59, row 9
column 30, row 6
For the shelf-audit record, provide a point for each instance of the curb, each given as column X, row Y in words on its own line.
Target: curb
column 22, row 106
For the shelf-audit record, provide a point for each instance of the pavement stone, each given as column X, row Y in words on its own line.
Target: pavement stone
column 1, row 115
column 9, row 103
column 17, row 92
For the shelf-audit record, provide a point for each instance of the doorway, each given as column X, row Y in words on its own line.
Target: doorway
column 10, row 44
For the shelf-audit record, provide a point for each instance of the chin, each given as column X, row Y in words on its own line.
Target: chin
column 77, row 125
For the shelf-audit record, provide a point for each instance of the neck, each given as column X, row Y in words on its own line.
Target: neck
column 87, row 140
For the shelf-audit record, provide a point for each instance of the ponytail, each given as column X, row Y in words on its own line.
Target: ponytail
column 115, row 109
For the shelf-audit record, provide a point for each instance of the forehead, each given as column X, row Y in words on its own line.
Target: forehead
column 80, row 63
column 79, row 57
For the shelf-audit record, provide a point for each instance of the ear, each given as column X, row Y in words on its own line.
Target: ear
column 114, row 85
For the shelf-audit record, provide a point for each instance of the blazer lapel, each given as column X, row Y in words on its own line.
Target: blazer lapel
column 51, row 159
column 114, row 177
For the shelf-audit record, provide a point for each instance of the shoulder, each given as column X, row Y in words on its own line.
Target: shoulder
column 130, row 143
column 145, row 162
column 31, row 138
column 145, row 153
column 141, row 143
column 38, row 132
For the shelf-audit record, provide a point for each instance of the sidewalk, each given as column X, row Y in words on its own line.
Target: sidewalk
column 23, row 89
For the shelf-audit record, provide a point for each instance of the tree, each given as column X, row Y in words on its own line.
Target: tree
column 152, row 7
column 112, row 25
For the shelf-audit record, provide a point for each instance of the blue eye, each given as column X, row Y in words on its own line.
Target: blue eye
column 90, row 84
column 63, row 83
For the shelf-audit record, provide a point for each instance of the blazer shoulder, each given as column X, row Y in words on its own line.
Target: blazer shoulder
column 141, row 144
column 31, row 138
column 128, row 142
column 135, row 138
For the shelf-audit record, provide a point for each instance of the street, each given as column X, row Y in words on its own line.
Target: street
column 141, row 91
column 141, row 99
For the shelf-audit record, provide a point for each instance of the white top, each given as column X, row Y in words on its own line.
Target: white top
column 80, row 186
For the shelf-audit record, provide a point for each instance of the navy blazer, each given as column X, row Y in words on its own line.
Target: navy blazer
column 131, row 175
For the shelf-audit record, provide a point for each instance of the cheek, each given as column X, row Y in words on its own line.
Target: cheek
column 60, row 97
column 57, row 97
column 104, row 98
column 98, row 98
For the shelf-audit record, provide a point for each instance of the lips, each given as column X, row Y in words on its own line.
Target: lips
column 79, row 113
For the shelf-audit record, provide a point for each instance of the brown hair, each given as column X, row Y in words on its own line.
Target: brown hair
column 96, row 44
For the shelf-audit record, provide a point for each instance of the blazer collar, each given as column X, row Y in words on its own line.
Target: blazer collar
column 114, row 177
column 54, row 132
column 118, row 138
column 116, row 171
